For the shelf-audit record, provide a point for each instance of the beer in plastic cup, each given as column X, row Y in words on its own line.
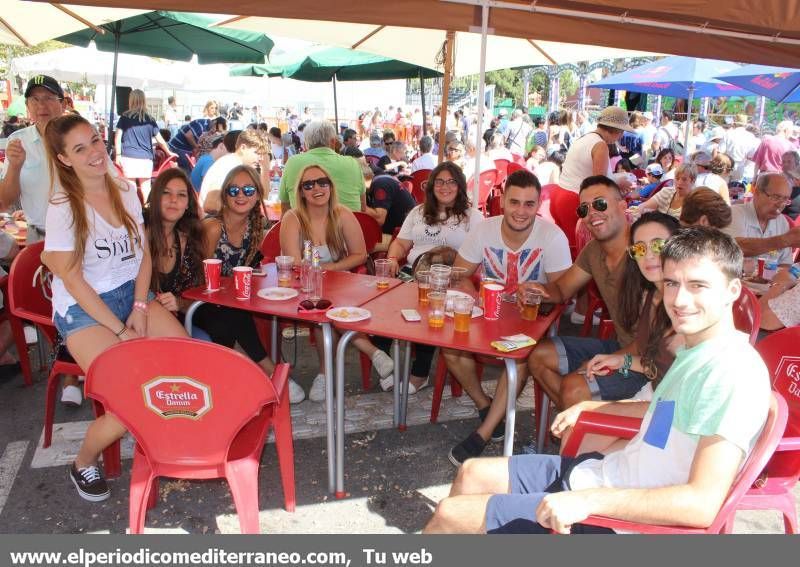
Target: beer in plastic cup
column 242, row 281
column 212, row 268
column 531, row 299
column 492, row 298
column 382, row 268
column 423, row 278
column 456, row 276
column 462, row 313
column 436, row 309
column 285, row 264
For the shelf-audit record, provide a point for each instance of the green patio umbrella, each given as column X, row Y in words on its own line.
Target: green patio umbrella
column 173, row 35
column 335, row 64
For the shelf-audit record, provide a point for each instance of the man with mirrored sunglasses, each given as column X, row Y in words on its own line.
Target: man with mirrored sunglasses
column 602, row 210
column 251, row 149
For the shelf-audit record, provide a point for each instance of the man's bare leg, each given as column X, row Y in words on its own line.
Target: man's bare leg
column 543, row 365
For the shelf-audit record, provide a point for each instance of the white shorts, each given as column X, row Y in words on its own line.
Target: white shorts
column 136, row 168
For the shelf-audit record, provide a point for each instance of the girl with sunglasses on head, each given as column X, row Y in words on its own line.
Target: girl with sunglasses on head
column 101, row 271
column 335, row 232
column 639, row 307
column 234, row 236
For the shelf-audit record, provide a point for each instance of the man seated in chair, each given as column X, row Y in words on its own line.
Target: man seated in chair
column 696, row 433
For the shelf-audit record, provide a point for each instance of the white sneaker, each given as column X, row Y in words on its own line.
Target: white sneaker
column 383, row 364
column 577, row 319
column 317, row 391
column 387, row 383
column 72, row 396
column 296, row 393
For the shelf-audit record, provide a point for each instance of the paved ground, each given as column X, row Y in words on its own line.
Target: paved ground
column 394, row 478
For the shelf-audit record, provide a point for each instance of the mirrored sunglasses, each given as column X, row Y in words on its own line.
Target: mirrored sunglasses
column 598, row 205
column 248, row 190
column 638, row 250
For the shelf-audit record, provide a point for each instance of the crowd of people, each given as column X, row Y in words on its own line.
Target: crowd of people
column 668, row 279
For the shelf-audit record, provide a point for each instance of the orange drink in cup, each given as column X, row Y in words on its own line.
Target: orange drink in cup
column 436, row 301
column 382, row 268
column 531, row 300
column 462, row 313
column 423, row 278
column 285, row 264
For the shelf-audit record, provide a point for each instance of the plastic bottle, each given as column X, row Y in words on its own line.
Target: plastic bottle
column 794, row 270
column 315, row 276
column 771, row 265
column 306, row 282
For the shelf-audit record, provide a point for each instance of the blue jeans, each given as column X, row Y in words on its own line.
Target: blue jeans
column 119, row 300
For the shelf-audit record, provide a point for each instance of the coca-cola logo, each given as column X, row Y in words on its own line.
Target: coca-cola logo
column 177, row 396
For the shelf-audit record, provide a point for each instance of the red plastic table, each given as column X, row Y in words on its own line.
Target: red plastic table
column 341, row 288
column 387, row 321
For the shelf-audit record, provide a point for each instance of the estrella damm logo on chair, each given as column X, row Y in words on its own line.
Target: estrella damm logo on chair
column 789, row 371
column 177, row 396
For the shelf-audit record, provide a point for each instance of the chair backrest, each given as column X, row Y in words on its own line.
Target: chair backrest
column 501, row 165
column 781, row 354
column 271, row 245
column 183, row 400
column 408, row 186
column 371, row 229
column 747, row 314
column 25, row 298
column 419, row 178
column 169, row 163
column 487, row 182
column 514, row 166
column 372, row 160
column 191, row 159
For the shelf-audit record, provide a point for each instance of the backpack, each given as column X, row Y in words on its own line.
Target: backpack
column 673, row 144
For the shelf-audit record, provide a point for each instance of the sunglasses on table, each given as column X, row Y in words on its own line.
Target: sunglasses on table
column 308, row 305
column 322, row 182
column 248, row 190
column 598, row 205
column 638, row 250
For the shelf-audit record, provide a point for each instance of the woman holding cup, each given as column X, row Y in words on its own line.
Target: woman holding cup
column 443, row 219
column 336, row 235
column 233, row 238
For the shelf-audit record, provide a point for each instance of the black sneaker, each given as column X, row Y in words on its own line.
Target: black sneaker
column 470, row 447
column 90, row 483
column 499, row 432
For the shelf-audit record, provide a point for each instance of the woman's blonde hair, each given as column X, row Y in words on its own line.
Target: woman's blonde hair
column 256, row 217
column 73, row 190
column 334, row 236
column 137, row 106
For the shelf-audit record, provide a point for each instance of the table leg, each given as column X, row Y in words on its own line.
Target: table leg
column 398, row 383
column 187, row 321
column 405, row 381
column 274, row 340
column 340, row 351
column 511, row 406
column 544, row 403
column 327, row 343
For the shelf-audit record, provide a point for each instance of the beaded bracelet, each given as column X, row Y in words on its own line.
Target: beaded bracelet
column 626, row 364
column 122, row 330
column 140, row 305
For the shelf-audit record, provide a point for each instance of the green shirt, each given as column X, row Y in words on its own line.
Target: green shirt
column 344, row 171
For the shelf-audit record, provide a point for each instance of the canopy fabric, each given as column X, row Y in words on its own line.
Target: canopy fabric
column 674, row 76
column 777, row 83
column 177, row 36
column 320, row 65
column 766, row 32
column 29, row 23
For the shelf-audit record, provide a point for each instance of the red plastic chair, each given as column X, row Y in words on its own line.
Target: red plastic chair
column 514, row 166
column 408, row 185
column 271, row 245
column 169, row 163
column 18, row 332
column 27, row 303
column 419, row 178
column 191, row 421
column 773, row 489
column 372, row 160
column 626, row 428
column 487, row 181
column 501, row 165
column 606, row 327
column 192, row 160
column 747, row 314
column 371, row 229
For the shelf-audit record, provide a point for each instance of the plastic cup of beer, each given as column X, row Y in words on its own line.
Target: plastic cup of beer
column 423, row 278
column 457, row 275
column 436, row 309
column 383, row 271
column 462, row 313
column 531, row 300
column 284, row 264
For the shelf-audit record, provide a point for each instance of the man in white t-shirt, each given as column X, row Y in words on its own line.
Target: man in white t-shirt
column 426, row 160
column 517, row 133
column 251, row 149
column 702, row 423
column 740, row 144
column 513, row 248
column 666, row 133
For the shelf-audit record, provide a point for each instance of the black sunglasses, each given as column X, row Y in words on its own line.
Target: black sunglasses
column 598, row 205
column 308, row 305
column 248, row 190
column 323, row 182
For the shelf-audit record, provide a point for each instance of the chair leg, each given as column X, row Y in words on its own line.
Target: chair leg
column 53, row 380
column 789, row 511
column 366, row 371
column 455, row 387
column 141, row 493
column 18, row 332
column 438, row 387
column 284, row 445
column 242, row 476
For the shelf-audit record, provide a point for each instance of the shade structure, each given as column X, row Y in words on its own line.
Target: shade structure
column 765, row 32
column 674, row 76
column 322, row 64
column 776, row 83
column 29, row 23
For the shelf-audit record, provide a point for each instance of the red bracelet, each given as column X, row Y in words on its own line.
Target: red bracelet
column 140, row 305
column 391, row 258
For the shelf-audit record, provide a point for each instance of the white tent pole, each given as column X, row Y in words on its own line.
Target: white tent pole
column 476, row 175
column 688, row 133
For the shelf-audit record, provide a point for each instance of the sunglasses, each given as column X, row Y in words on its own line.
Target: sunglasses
column 442, row 182
column 598, row 205
column 248, row 190
column 308, row 305
column 638, row 250
column 323, row 182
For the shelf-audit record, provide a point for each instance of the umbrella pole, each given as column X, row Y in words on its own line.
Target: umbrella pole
column 688, row 124
column 422, row 99
column 476, row 175
column 335, row 105
column 448, row 70
column 110, row 128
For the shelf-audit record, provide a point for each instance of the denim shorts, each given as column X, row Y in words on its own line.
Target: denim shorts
column 574, row 351
column 119, row 300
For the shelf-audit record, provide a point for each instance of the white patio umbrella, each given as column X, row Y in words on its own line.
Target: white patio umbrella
column 29, row 23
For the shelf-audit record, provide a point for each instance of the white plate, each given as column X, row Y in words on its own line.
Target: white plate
column 348, row 314
column 277, row 293
column 476, row 312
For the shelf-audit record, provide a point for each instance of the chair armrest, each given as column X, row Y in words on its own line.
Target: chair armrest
column 788, row 444
column 280, row 378
column 600, row 424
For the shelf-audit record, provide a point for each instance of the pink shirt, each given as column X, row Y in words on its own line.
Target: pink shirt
column 769, row 152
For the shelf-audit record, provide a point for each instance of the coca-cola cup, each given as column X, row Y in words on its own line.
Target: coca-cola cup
column 492, row 298
column 213, row 270
column 242, row 280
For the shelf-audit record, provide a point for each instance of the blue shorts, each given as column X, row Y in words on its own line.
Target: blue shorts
column 119, row 300
column 574, row 351
column 532, row 477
